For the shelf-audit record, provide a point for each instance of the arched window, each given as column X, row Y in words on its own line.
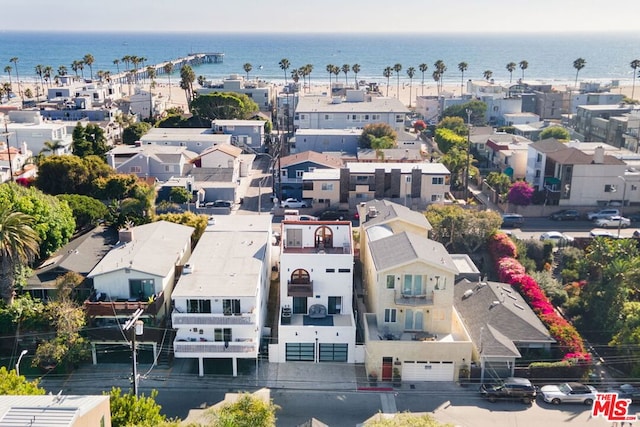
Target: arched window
column 324, row 237
column 300, row 276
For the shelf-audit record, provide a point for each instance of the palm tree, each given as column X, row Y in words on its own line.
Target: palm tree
column 168, row 69
column 75, row 66
column 126, row 59
column 247, row 67
column 89, row 60
column 387, row 73
column 410, row 72
column 634, row 65
column 39, row 69
column 62, row 70
column 19, row 244
column 462, row 67
column 423, row 67
column 15, row 63
column 523, row 66
column 284, row 66
column 345, row 69
column 8, row 70
column 487, row 74
column 511, row 66
column 81, row 67
column 441, row 68
column 329, row 69
column 116, row 62
column 356, row 69
column 397, row 68
column 336, row 71
column 47, row 71
column 437, row 77
column 578, row 64
column 307, row 70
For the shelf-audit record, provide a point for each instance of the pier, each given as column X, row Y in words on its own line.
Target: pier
column 192, row 59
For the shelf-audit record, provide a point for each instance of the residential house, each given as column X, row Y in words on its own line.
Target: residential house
column 259, row 91
column 593, row 122
column 158, row 161
column 196, row 140
column 220, row 300
column 411, row 325
column 244, row 133
column 55, row 409
column 30, row 127
column 508, row 154
column 631, row 135
column 410, row 154
column 144, row 103
column 579, row 98
column 502, row 326
column 512, row 119
column 293, row 167
column 324, row 140
column 139, row 272
column 356, row 110
column 316, row 322
column 16, row 163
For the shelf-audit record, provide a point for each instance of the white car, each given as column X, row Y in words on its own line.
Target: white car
column 614, row 221
column 603, row 213
column 556, row 237
column 602, row 233
column 569, row 393
column 293, row 203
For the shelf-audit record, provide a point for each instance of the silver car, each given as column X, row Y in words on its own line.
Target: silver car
column 613, row 222
column 568, row 393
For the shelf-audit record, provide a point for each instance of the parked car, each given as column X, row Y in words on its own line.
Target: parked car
column 634, row 217
column 222, row 204
column 627, row 391
column 333, row 215
column 565, row 214
column 603, row 213
column 293, row 203
column 512, row 220
column 307, row 218
column 613, row 222
column 556, row 237
column 602, row 233
column 568, row 393
column 510, row 388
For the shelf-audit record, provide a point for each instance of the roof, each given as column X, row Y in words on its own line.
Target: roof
column 154, row 249
column 413, row 154
column 161, row 135
column 229, row 149
column 47, row 410
column 229, row 258
column 426, row 168
column 505, row 316
column 548, row 145
column 310, row 156
column 573, row 156
column 322, row 174
column 320, row 104
column 387, row 211
column 404, row 248
column 234, row 122
column 211, row 174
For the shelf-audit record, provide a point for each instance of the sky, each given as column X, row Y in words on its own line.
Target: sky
column 332, row 16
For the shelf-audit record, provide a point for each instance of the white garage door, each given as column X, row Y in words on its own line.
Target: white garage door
column 427, row 371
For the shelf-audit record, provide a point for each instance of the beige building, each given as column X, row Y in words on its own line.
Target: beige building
column 59, row 410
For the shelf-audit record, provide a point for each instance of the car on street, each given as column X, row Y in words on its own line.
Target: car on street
column 565, row 214
column 634, row 217
column 510, row 388
column 602, row 233
column 512, row 220
column 333, row 215
column 293, row 203
column 613, row 222
column 556, row 237
column 627, row 391
column 603, row 213
column 569, row 393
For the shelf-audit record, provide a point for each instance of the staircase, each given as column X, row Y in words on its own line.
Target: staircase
column 166, row 348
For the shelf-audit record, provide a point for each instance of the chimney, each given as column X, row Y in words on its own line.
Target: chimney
column 598, row 155
column 125, row 235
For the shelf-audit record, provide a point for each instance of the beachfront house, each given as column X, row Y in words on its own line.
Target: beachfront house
column 220, row 300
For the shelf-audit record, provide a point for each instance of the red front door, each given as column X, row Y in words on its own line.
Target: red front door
column 387, row 368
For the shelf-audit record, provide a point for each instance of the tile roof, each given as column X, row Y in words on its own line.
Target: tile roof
column 311, row 156
column 388, row 211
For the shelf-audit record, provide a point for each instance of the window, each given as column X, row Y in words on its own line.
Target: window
column 299, row 305
column 437, row 180
column 436, row 197
column 141, row 289
column 283, row 173
column 375, row 117
column 390, row 315
column 198, row 306
column 299, row 174
column 391, row 282
column 399, row 118
column 222, row 334
column 300, row 276
column 330, row 270
column 231, row 306
column 328, row 116
column 608, row 188
column 135, row 169
column 412, row 285
column 361, row 178
column 366, row 117
column 538, row 157
column 327, row 187
column 335, row 305
column 407, row 179
column 538, row 173
column 344, row 270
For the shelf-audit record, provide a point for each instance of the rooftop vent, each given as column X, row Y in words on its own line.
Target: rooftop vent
column 467, row 293
column 187, row 269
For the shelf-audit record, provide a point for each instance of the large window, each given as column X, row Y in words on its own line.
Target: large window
column 141, row 289
column 437, row 180
column 299, row 305
column 390, row 315
column 199, row 306
column 335, row 305
column 222, row 334
column 412, row 285
column 231, row 306
column 391, row 281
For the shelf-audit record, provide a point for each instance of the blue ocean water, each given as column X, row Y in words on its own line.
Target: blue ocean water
column 550, row 56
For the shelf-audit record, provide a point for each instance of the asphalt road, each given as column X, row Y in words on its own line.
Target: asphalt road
column 533, row 227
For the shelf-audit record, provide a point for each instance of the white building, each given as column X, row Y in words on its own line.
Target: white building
column 220, row 301
column 30, row 127
column 316, row 322
column 260, row 91
column 196, row 140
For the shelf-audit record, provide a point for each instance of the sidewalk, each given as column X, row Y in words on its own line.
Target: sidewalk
column 484, row 199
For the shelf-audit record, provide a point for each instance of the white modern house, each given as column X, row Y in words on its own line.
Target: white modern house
column 316, row 321
column 220, row 301
column 30, row 127
column 260, row 91
column 196, row 139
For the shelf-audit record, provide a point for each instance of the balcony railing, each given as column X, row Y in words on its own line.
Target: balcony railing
column 300, row 289
column 123, row 307
column 202, row 319
column 414, row 299
column 214, row 347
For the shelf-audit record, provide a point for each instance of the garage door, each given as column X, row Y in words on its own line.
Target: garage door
column 427, row 371
column 300, row 352
column 333, row 352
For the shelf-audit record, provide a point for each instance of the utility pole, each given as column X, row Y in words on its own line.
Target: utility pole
column 136, row 326
column 466, row 173
column 6, row 136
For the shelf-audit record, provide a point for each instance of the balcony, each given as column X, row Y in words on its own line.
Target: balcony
column 300, row 289
column 212, row 319
column 222, row 349
column 414, row 299
column 123, row 307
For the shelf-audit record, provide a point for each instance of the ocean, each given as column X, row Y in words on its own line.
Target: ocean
column 550, row 56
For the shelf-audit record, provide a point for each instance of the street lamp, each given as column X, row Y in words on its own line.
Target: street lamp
column 466, row 174
column 18, row 362
column 624, row 193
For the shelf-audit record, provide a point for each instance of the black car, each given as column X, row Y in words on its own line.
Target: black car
column 510, row 388
column 565, row 214
column 512, row 220
column 333, row 215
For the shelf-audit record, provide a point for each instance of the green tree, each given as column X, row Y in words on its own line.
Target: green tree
column 13, row 384
column 246, row 411
column 179, row 195
column 440, row 68
column 456, row 161
column 410, row 72
column 462, row 66
column 223, row 105
column 345, row 69
column 89, row 60
column 168, row 69
column 423, row 68
column 130, row 410
column 487, row 74
column 523, row 66
column 247, row 68
column 14, row 61
column 511, row 67
column 448, row 139
column 356, row 69
column 455, row 124
column 634, row 66
column 499, row 181
column 406, row 420
column 578, row 64
column 387, row 72
column 557, row 132
column 87, row 211
column 478, row 111
column 382, row 133
column 284, row 65
column 134, row 132
column 18, row 246
column 397, row 68
column 461, row 229
column 198, row 222
column 89, row 140
column 187, row 77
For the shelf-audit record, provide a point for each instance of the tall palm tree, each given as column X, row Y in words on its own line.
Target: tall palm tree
column 397, row 68
column 410, row 72
column 308, row 69
column 39, row 69
column 62, row 70
column 15, row 60
column 345, row 69
column 126, row 59
column 81, row 67
column 487, row 74
column 116, row 62
column 634, row 65
column 388, row 72
column 511, row 67
column 523, row 66
column 75, row 66
column 89, row 60
column 356, row 69
column 423, row 67
column 8, row 70
column 329, row 69
column 336, row 71
column 168, row 69
column 462, row 67
column 284, row 66
column 437, row 77
column 47, row 72
column 440, row 68
column 19, row 244
column 578, row 64
column 247, row 67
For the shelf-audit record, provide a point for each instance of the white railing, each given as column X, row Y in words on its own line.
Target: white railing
column 185, row 319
